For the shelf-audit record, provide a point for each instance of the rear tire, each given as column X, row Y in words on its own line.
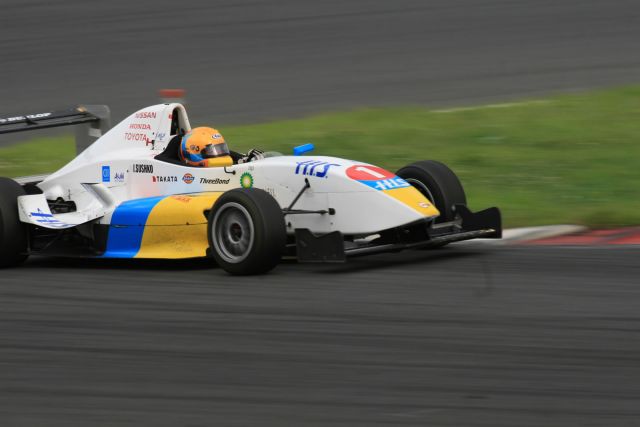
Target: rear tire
column 13, row 233
column 246, row 230
column 437, row 183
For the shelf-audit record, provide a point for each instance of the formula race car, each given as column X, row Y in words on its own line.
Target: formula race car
column 128, row 195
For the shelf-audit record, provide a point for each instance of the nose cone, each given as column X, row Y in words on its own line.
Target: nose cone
column 412, row 198
column 393, row 186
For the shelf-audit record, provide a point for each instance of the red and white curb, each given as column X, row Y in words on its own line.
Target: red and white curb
column 525, row 234
column 564, row 235
column 619, row 236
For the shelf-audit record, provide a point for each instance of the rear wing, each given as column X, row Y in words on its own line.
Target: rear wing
column 95, row 121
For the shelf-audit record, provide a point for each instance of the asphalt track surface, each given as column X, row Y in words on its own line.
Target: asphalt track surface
column 462, row 336
column 523, row 336
column 243, row 61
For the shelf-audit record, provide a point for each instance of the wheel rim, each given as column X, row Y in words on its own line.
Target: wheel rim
column 232, row 232
column 419, row 185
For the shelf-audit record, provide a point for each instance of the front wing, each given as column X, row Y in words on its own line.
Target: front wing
column 334, row 247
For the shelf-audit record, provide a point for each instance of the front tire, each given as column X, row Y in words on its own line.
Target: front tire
column 246, row 230
column 13, row 233
column 437, row 183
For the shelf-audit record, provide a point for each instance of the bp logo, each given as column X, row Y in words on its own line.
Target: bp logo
column 246, row 180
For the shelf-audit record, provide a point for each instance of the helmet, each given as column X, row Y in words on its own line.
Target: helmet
column 206, row 147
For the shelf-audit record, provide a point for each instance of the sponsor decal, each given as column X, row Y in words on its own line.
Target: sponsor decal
column 146, row 115
column 130, row 136
column 424, row 205
column 214, row 181
column 387, row 184
column 142, row 126
column 142, row 168
column 161, row 136
column 28, row 116
column 376, row 177
column 188, row 178
column 46, row 218
column 106, row 174
column 368, row 173
column 118, row 177
column 165, row 178
column 314, row 168
column 182, row 199
column 246, row 180
column 216, row 136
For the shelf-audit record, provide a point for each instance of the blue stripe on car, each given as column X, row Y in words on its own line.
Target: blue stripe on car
column 127, row 227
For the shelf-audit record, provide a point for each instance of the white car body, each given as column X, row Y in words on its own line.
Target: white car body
column 118, row 180
column 128, row 195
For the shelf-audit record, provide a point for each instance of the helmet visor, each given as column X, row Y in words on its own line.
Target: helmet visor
column 215, row 150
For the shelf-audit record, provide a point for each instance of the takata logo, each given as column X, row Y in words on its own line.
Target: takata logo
column 188, row 178
column 158, row 178
column 314, row 168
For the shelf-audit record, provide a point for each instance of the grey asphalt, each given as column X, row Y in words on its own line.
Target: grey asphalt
column 523, row 336
column 243, row 61
column 463, row 336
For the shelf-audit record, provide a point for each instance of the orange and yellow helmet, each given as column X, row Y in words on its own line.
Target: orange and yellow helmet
column 206, row 147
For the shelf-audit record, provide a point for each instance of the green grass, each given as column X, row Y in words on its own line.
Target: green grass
column 38, row 156
column 570, row 159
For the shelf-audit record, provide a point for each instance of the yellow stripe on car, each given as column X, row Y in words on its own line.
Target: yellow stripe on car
column 414, row 199
column 177, row 227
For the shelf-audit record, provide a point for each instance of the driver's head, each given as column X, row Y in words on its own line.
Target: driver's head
column 206, row 147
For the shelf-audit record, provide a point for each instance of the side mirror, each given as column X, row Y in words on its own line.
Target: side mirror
column 301, row 149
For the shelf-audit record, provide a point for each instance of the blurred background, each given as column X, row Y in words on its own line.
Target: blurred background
column 419, row 65
column 244, row 61
column 534, row 103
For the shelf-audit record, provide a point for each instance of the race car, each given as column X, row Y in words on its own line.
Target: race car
column 129, row 195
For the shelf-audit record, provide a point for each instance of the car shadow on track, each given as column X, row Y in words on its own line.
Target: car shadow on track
column 288, row 265
column 395, row 260
column 121, row 264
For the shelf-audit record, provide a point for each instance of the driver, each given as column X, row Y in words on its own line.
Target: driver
column 206, row 147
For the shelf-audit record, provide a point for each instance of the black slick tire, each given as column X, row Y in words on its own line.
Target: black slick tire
column 13, row 233
column 437, row 183
column 246, row 231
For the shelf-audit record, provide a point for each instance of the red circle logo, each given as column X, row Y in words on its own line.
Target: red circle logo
column 188, row 178
column 368, row 173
